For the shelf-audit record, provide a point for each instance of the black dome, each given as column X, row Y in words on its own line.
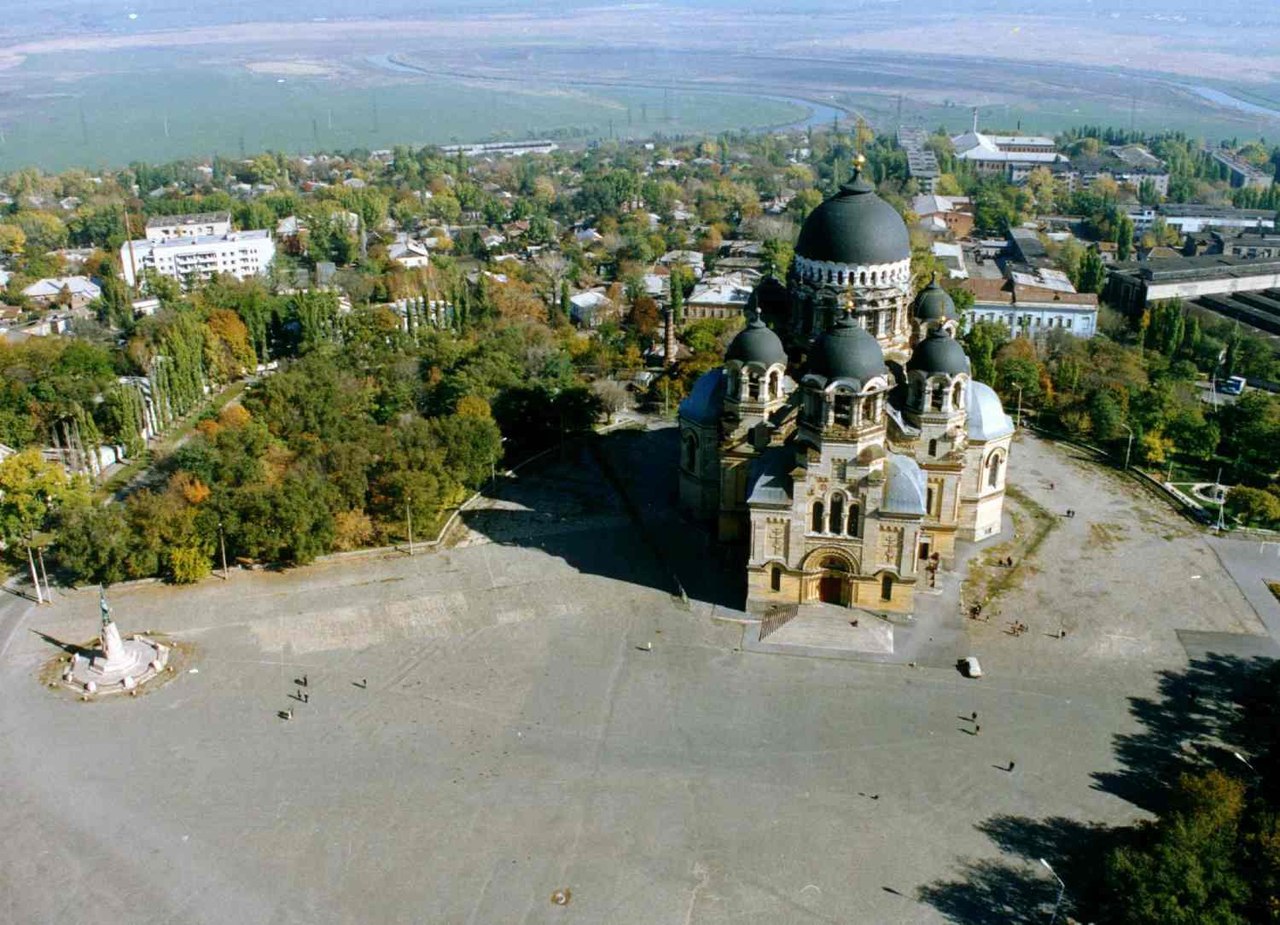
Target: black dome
column 934, row 303
column 855, row 226
column 939, row 353
column 847, row 351
column 771, row 297
column 756, row 344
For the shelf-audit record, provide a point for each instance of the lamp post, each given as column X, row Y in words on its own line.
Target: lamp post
column 408, row 516
column 222, row 548
column 1019, row 424
column 1062, row 888
column 1128, row 446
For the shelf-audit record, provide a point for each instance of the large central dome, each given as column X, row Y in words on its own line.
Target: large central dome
column 855, row 227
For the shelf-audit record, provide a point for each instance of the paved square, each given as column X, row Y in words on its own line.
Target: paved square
column 516, row 738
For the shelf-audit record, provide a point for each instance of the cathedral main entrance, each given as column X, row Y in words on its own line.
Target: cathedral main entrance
column 834, row 583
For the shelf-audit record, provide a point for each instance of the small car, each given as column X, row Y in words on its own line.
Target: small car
column 969, row 667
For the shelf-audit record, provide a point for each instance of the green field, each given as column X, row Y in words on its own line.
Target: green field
column 156, row 115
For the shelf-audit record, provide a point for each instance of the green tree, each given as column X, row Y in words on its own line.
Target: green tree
column 92, row 544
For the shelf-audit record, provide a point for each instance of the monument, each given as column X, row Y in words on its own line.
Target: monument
column 117, row 664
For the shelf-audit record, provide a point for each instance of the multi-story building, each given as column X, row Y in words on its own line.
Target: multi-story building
column 193, row 248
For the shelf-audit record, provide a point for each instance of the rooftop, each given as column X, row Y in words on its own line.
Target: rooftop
column 195, row 218
column 1204, row 266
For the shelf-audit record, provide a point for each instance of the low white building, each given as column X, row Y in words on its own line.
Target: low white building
column 409, row 253
column 76, row 290
column 1029, row 311
column 188, row 258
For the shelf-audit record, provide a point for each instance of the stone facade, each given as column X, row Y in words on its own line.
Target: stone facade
column 845, row 477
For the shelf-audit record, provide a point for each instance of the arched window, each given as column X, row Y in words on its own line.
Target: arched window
column 837, row 513
column 937, row 396
column 933, row 447
column 818, row 519
column 855, row 515
column 775, row 578
column 775, row 385
column 844, row 409
column 753, row 385
column 691, row 452
column 886, row 588
column 868, row 410
column 993, row 470
column 862, row 277
column 840, row 277
column 957, row 396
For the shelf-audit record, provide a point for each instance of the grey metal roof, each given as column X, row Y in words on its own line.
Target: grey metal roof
column 987, row 420
column 756, row 344
column 706, row 400
column 934, row 303
column 905, row 490
column 939, row 353
column 855, row 226
column 769, row 479
column 847, row 351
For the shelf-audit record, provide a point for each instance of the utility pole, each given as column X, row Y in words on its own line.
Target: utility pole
column 44, row 575
column 408, row 516
column 222, row 547
column 35, row 579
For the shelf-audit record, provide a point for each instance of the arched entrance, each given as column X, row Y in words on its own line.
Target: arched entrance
column 833, row 585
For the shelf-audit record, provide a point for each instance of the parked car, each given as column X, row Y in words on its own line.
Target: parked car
column 969, row 667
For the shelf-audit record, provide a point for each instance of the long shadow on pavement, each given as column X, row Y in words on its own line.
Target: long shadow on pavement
column 1199, row 718
column 606, row 505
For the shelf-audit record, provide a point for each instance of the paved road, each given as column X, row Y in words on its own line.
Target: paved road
column 513, row 740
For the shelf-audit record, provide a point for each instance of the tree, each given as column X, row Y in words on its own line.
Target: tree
column 1253, row 506
column 1092, row 274
column 228, row 353
column 1124, row 238
column 1181, row 869
column 92, row 544
column 32, row 492
column 643, row 317
column 612, row 395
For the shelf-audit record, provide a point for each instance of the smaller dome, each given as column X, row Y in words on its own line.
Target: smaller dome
column 772, row 299
column 847, row 351
column 939, row 353
column 987, row 420
column 756, row 344
column 706, row 399
column 934, row 303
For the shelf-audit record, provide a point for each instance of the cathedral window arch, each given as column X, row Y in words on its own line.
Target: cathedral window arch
column 774, row 389
column 819, row 518
column 995, row 466
column 855, row 517
column 837, row 514
column 886, row 588
column 933, row 447
column 775, row 578
column 862, row 277
column 957, row 396
column 869, row 410
column 937, row 396
column 840, row 277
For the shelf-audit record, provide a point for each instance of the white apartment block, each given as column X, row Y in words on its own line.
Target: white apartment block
column 192, row 258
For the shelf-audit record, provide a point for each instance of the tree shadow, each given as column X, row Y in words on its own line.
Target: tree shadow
column 1194, row 723
column 1198, row 718
column 607, row 505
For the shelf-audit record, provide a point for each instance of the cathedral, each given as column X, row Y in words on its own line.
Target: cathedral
column 845, row 444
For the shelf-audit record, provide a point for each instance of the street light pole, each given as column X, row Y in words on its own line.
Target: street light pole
column 222, row 548
column 35, row 579
column 1128, row 446
column 1062, row 888
column 408, row 516
column 1019, row 407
